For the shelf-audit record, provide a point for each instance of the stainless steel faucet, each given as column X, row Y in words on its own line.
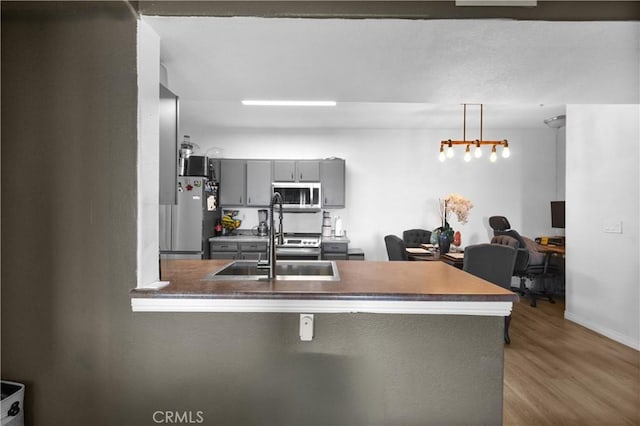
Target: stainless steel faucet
column 277, row 198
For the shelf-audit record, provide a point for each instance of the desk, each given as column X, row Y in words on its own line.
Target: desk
column 453, row 259
column 548, row 249
column 553, row 269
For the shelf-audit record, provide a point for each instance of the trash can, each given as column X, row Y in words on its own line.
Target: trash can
column 12, row 403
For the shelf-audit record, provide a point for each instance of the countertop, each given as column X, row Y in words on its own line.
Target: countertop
column 365, row 280
column 243, row 238
column 336, row 240
column 248, row 237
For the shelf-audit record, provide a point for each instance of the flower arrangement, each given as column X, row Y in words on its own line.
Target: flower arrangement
column 453, row 204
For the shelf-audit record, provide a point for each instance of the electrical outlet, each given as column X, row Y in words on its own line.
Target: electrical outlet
column 306, row 327
column 612, row 226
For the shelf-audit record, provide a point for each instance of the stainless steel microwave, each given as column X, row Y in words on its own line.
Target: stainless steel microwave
column 299, row 196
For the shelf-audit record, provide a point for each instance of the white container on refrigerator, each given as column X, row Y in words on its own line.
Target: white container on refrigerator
column 185, row 227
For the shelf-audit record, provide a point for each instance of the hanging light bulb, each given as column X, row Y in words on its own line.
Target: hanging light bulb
column 450, row 152
column 505, row 150
column 441, row 156
column 467, row 154
column 477, row 152
column 494, row 155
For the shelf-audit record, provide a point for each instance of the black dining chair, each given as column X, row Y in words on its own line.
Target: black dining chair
column 396, row 250
column 494, row 263
column 416, row 237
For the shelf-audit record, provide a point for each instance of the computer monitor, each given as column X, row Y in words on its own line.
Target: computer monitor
column 557, row 214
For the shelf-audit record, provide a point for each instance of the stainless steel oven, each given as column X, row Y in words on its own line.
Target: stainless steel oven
column 299, row 246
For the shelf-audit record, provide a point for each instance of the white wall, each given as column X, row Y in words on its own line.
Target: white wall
column 148, row 153
column 394, row 179
column 561, row 163
column 602, row 288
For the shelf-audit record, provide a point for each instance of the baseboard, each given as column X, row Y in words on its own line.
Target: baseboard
column 611, row 334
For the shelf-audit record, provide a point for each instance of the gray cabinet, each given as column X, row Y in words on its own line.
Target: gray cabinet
column 246, row 250
column 296, row 170
column 258, row 183
column 253, row 250
column 168, row 117
column 223, row 250
column 232, row 182
column 335, row 250
column 308, row 170
column 284, row 170
column 332, row 175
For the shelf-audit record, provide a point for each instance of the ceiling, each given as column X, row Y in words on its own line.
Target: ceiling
column 394, row 73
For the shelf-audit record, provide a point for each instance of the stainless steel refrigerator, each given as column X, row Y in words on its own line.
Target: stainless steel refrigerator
column 185, row 227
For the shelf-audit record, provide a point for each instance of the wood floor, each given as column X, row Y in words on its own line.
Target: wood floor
column 559, row 373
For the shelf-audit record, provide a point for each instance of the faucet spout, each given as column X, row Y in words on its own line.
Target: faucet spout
column 276, row 199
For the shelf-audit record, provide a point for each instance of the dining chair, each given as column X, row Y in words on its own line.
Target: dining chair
column 416, row 237
column 396, row 250
column 494, row 263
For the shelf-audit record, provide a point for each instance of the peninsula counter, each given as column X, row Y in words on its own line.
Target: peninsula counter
column 375, row 287
column 402, row 343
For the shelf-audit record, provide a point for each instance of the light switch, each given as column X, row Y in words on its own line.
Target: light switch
column 613, row 226
column 306, row 327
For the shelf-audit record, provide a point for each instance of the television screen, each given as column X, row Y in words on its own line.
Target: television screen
column 557, row 214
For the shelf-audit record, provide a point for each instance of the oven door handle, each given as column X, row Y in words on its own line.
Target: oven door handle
column 299, row 251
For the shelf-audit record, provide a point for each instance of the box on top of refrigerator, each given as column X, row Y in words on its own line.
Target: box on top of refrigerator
column 12, row 403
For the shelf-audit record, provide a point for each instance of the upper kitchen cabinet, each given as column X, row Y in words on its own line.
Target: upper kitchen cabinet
column 284, row 170
column 258, row 183
column 296, row 170
column 232, row 182
column 332, row 179
column 168, row 117
column 308, row 170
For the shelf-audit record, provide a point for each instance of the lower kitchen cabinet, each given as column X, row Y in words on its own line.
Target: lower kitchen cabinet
column 338, row 250
column 253, row 250
column 356, row 254
column 223, row 250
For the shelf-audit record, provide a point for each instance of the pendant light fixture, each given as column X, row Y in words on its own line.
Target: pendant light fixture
column 449, row 144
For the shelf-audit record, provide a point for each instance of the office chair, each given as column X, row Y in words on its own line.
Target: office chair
column 494, row 263
column 415, row 237
column 530, row 263
column 396, row 250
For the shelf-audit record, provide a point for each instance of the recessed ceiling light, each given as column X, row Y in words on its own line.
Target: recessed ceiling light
column 288, row 103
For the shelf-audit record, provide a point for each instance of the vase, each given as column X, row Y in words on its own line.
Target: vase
column 444, row 242
column 435, row 234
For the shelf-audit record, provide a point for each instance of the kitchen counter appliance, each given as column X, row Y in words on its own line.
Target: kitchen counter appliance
column 299, row 246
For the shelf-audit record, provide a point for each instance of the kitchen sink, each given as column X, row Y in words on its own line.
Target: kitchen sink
column 295, row 270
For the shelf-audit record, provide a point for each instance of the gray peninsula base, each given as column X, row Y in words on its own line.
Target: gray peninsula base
column 360, row 369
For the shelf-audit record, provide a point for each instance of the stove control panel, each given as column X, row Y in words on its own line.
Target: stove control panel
column 304, row 242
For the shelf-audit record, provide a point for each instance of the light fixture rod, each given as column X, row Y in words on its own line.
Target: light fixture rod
column 464, row 124
column 448, row 142
column 481, row 112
